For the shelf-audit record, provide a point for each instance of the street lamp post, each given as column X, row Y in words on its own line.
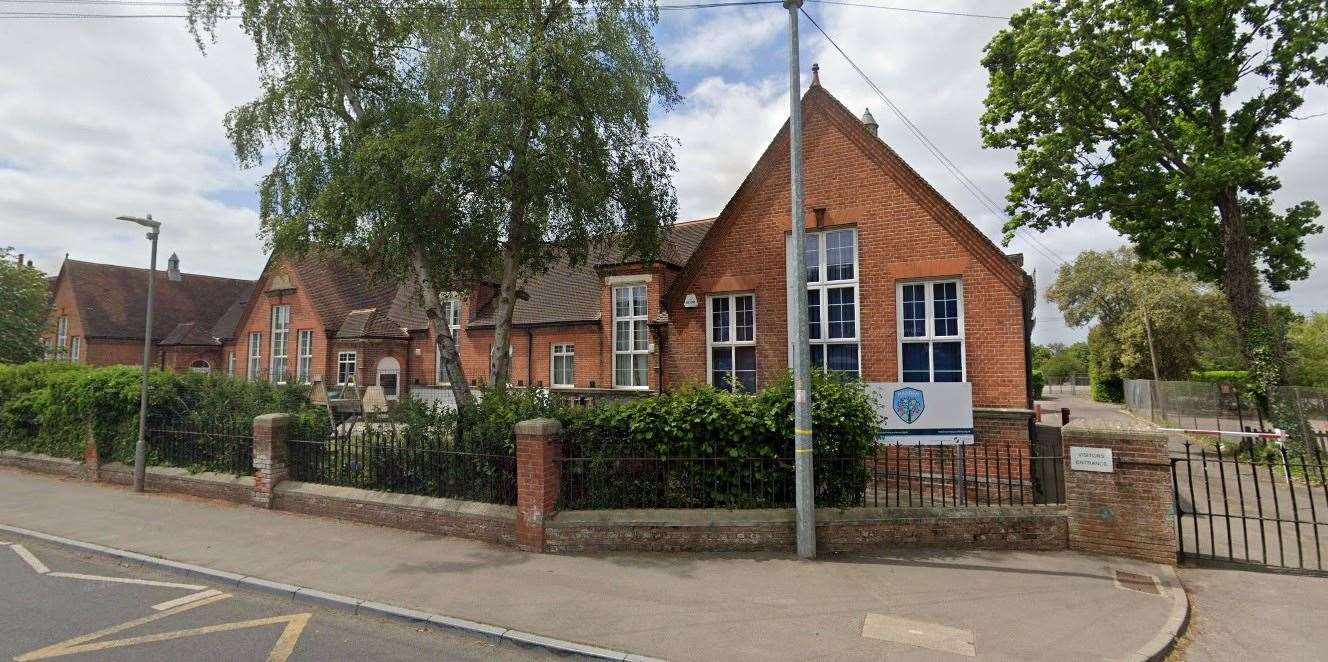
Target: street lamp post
column 141, row 446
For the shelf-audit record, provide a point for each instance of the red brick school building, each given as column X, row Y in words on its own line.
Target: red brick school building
column 902, row 288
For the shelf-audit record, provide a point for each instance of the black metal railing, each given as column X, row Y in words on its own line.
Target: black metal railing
column 896, row 476
column 383, row 459
column 224, row 446
column 1252, row 502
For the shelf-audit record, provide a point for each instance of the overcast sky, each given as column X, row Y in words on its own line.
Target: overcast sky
column 124, row 116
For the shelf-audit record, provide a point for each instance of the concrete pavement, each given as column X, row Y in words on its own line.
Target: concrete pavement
column 1028, row 606
column 1240, row 613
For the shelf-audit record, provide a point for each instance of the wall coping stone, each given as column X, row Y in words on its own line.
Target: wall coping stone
column 39, row 457
column 184, row 474
column 455, row 506
column 539, row 427
column 666, row 517
column 1002, row 412
column 1112, row 429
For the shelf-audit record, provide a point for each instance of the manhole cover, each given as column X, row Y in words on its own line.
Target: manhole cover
column 1138, row 582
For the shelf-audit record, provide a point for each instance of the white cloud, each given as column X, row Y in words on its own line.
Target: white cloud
column 713, row 41
column 105, row 118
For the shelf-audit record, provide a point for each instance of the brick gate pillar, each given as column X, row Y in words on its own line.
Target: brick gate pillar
column 91, row 458
column 1118, row 491
column 269, row 456
column 537, row 481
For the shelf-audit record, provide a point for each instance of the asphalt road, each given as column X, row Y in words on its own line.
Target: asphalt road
column 87, row 616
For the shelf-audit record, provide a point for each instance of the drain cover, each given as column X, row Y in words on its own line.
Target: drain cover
column 1138, row 582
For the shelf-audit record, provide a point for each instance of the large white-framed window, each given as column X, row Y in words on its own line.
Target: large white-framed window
column 230, row 364
column 280, row 333
column 255, row 355
column 833, row 306
column 563, row 365
column 346, row 368
column 731, row 341
column 931, row 330
column 61, row 335
column 304, row 355
column 75, row 348
column 451, row 313
column 631, row 344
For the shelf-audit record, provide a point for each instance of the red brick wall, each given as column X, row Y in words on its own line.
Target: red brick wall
column 180, row 358
column 99, row 352
column 900, row 237
column 302, row 317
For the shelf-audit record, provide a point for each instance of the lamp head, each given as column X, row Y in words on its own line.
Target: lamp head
column 145, row 222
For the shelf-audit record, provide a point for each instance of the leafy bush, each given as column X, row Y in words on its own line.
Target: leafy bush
column 1039, row 383
column 47, row 407
column 749, row 436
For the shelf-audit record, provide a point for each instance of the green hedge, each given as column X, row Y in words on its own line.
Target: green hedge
column 46, row 407
column 752, row 433
column 1039, row 383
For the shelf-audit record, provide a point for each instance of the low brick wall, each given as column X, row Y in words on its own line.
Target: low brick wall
column 42, row 463
column 445, row 517
column 851, row 530
column 204, row 484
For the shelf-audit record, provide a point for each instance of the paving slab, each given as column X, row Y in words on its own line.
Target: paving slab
column 1016, row 605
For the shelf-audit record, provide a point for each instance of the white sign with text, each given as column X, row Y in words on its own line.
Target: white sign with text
column 1083, row 458
column 923, row 412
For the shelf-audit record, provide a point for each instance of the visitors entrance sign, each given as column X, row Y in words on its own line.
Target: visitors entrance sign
column 923, row 413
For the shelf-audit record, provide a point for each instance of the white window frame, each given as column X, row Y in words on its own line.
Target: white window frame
column 280, row 334
column 230, row 364
column 304, row 355
column 732, row 342
column 823, row 286
column 567, row 353
column 930, row 325
column 75, row 344
column 61, row 334
column 255, row 355
column 354, row 363
column 451, row 313
column 632, row 319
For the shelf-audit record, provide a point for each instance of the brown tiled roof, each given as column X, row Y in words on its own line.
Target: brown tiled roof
column 571, row 294
column 112, row 300
column 369, row 323
column 336, row 286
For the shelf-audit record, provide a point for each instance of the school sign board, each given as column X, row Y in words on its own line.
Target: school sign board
column 923, row 413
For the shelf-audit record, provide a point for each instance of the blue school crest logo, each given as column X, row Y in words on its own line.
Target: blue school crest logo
column 908, row 404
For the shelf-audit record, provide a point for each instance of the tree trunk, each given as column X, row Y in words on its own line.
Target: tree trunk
column 1259, row 344
column 500, row 359
column 448, row 356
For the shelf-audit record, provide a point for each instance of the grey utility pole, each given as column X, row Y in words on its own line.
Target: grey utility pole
column 141, row 446
column 797, row 282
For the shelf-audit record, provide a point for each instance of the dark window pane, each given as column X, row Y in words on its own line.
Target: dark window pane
column 917, row 366
column 719, row 319
column 948, row 358
column 839, row 252
column 914, row 306
column 745, row 367
column 842, row 358
column 841, row 309
column 744, row 318
column 812, row 255
column 721, row 365
column 818, row 356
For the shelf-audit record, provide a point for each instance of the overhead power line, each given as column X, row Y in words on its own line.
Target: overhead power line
column 946, row 162
column 911, row 10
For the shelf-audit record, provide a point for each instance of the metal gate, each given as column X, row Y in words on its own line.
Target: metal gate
column 1251, row 503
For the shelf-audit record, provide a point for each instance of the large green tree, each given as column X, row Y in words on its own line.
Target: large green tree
column 24, row 309
column 456, row 142
column 1309, row 350
column 1164, row 116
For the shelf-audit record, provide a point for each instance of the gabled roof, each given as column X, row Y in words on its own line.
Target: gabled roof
column 370, row 323
column 945, row 214
column 335, row 286
column 571, row 294
column 112, row 300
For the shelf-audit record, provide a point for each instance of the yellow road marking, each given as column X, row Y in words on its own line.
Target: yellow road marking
column 47, row 652
column 31, row 560
column 163, row 606
column 126, row 580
